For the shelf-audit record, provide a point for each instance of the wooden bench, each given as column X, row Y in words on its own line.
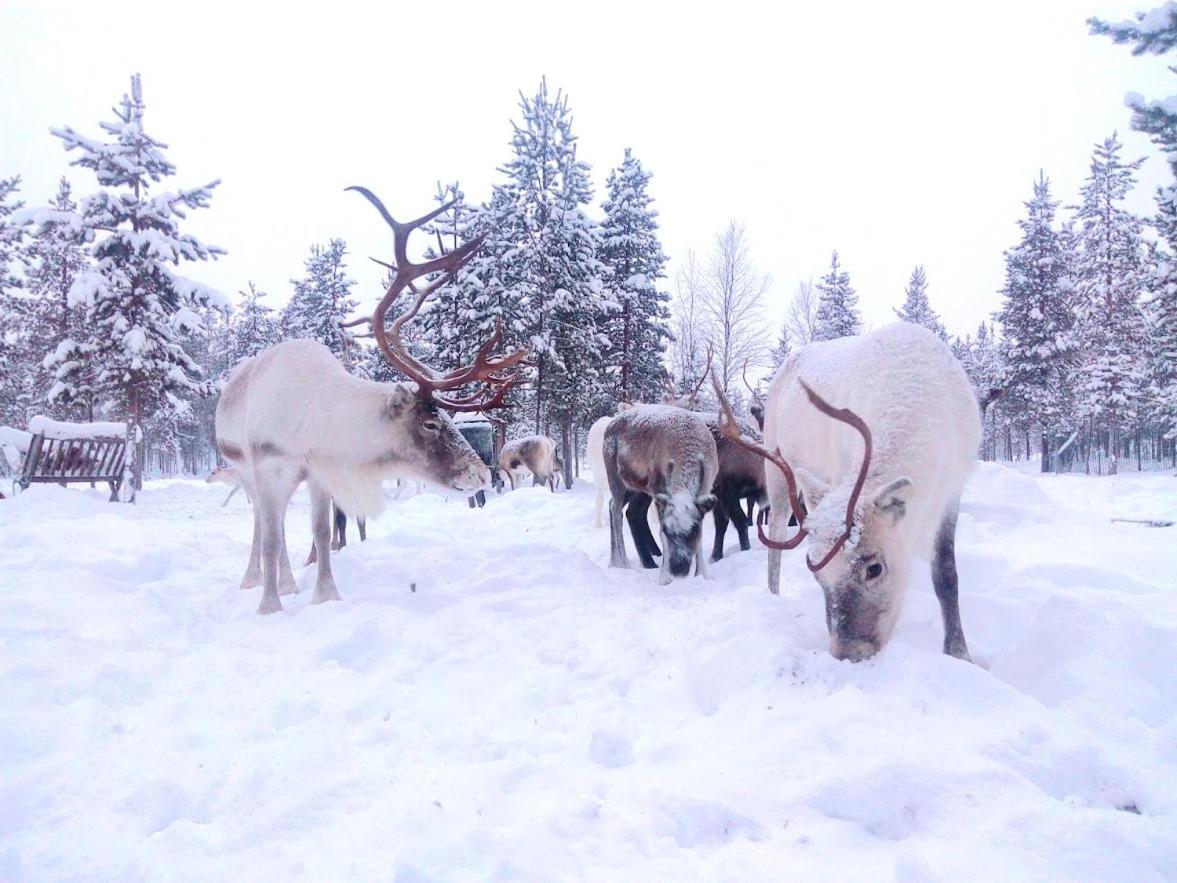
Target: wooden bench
column 63, row 453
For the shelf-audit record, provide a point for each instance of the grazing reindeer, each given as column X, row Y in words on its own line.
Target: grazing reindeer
column 225, row 475
column 294, row 413
column 880, row 478
column 596, row 435
column 537, row 454
column 740, row 476
column 665, row 455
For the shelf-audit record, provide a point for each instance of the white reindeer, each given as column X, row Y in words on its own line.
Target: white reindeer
column 880, row 476
column 294, row 413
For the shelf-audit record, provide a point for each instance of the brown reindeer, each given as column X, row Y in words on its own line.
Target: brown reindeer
column 663, row 455
column 537, row 454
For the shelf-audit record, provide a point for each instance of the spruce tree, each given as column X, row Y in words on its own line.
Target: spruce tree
column 1109, row 279
column 57, row 258
column 14, row 326
column 1155, row 32
column 1037, row 321
column 916, row 308
column 138, row 309
column 322, row 299
column 453, row 320
column 540, row 270
column 634, row 262
column 837, row 309
column 254, row 328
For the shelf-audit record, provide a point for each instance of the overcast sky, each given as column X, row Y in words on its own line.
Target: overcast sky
column 898, row 133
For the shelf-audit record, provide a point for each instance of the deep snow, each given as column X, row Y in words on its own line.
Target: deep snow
column 490, row 701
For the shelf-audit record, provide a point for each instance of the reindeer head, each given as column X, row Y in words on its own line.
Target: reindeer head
column 424, row 440
column 864, row 565
column 756, row 408
column 682, row 500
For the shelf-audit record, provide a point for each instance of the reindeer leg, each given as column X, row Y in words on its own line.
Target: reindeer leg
column 944, row 580
column 321, row 530
column 340, row 518
column 719, row 514
column 253, row 570
column 362, row 525
column 740, row 523
column 616, row 535
column 600, row 483
column 286, row 583
column 700, row 558
column 639, row 528
column 272, row 502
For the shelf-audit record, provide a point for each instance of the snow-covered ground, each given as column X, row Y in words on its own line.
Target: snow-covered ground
column 490, row 701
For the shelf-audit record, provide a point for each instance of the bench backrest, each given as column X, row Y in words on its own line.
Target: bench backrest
column 74, row 459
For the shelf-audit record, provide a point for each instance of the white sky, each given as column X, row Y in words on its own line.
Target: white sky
column 898, row 133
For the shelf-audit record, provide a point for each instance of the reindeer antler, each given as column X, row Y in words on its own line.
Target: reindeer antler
column 752, row 389
column 848, row 417
column 494, row 372
column 731, row 431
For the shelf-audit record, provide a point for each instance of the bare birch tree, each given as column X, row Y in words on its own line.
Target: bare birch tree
column 690, row 326
column 733, row 296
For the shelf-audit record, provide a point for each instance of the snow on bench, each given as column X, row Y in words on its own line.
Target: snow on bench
column 43, row 426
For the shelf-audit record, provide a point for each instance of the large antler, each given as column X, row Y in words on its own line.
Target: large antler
column 731, row 431
column 850, row 418
column 494, row 372
column 757, row 398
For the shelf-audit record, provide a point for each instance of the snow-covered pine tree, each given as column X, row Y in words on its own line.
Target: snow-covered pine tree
column 540, row 269
column 1109, row 279
column 783, row 347
column 452, row 320
column 57, row 257
column 634, row 262
column 254, row 328
column 1037, row 320
column 14, row 337
column 322, row 299
column 1155, row 32
column 837, row 306
column 138, row 309
column 916, row 308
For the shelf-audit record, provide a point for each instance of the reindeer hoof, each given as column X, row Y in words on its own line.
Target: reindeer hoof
column 958, row 649
column 290, row 588
column 325, row 593
column 251, row 581
column 269, row 604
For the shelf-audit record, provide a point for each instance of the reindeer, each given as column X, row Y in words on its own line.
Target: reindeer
column 294, row 413
column 536, row 453
column 596, row 435
column 873, row 483
column 665, row 455
column 739, row 476
column 225, row 475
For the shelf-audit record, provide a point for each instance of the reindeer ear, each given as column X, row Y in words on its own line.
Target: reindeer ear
column 623, row 406
column 399, row 399
column 812, row 487
column 892, row 498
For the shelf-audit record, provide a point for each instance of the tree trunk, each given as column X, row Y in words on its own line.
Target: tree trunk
column 566, row 446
